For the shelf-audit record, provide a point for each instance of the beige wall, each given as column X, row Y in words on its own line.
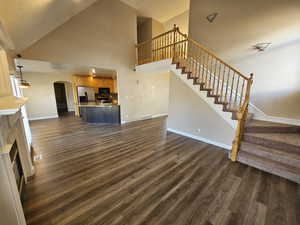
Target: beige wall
column 5, row 87
column 182, row 21
column 28, row 22
column 104, row 36
column 188, row 113
column 239, row 26
column 42, row 103
column 157, row 28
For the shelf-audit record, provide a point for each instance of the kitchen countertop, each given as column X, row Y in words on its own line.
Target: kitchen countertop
column 96, row 104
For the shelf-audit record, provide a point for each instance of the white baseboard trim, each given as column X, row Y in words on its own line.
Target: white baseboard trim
column 43, row 118
column 276, row 119
column 147, row 117
column 221, row 145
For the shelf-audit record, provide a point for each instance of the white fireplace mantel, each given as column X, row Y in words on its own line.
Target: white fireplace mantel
column 10, row 105
column 12, row 131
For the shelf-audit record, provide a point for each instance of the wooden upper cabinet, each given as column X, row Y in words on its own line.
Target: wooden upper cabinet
column 5, row 85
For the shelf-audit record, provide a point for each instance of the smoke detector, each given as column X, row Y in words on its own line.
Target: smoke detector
column 260, row 47
column 212, row 17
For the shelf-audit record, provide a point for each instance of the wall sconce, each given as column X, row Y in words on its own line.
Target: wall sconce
column 22, row 83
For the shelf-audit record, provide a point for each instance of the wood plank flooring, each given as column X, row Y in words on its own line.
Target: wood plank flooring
column 138, row 174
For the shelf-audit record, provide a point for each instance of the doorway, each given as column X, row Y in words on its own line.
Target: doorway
column 61, row 99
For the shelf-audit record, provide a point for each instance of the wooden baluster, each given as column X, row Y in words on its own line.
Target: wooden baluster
column 186, row 48
column 157, row 49
column 189, row 57
column 174, row 46
column 164, row 46
column 242, row 94
column 196, row 62
column 224, row 72
column 236, row 93
column 139, row 55
column 210, row 71
column 219, row 77
column 167, row 44
column 142, row 53
column 204, row 67
column 169, row 47
column 227, row 83
column 161, row 47
column 232, row 84
column 215, row 77
column 181, row 51
column 160, row 51
column 199, row 64
column 193, row 59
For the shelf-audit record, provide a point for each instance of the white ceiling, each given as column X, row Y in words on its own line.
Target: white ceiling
column 36, row 66
column 29, row 20
column 160, row 10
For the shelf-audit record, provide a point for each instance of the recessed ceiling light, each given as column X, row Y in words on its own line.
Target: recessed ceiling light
column 212, row 17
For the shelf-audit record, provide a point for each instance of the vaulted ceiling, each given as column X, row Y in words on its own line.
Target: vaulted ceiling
column 29, row 20
column 161, row 10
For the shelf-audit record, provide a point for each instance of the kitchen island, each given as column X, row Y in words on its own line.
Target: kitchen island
column 93, row 112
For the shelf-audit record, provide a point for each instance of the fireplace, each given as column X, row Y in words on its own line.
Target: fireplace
column 17, row 167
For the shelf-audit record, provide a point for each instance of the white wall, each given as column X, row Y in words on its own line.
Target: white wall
column 154, row 99
column 42, row 103
column 276, row 89
column 189, row 114
column 182, row 21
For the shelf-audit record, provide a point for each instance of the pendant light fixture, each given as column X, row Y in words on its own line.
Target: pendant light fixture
column 22, row 83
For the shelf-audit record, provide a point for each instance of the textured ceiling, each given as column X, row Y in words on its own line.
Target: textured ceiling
column 29, row 20
column 161, row 10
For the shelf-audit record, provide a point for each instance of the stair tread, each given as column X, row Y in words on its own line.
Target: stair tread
column 287, row 138
column 271, row 166
column 255, row 148
column 260, row 123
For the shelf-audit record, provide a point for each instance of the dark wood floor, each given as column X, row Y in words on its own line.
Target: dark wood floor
column 138, row 174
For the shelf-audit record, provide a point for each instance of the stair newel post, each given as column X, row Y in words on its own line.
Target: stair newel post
column 174, row 42
column 242, row 118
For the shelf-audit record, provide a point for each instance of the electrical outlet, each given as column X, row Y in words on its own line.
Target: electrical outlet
column 37, row 158
column 198, row 130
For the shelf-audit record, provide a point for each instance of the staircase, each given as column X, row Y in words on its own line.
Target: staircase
column 268, row 146
column 209, row 92
column 272, row 147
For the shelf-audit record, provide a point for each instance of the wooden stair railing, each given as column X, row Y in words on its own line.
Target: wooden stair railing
column 228, row 86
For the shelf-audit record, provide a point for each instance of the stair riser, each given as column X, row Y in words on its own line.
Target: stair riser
column 271, row 144
column 285, row 130
column 276, row 157
column 285, row 174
